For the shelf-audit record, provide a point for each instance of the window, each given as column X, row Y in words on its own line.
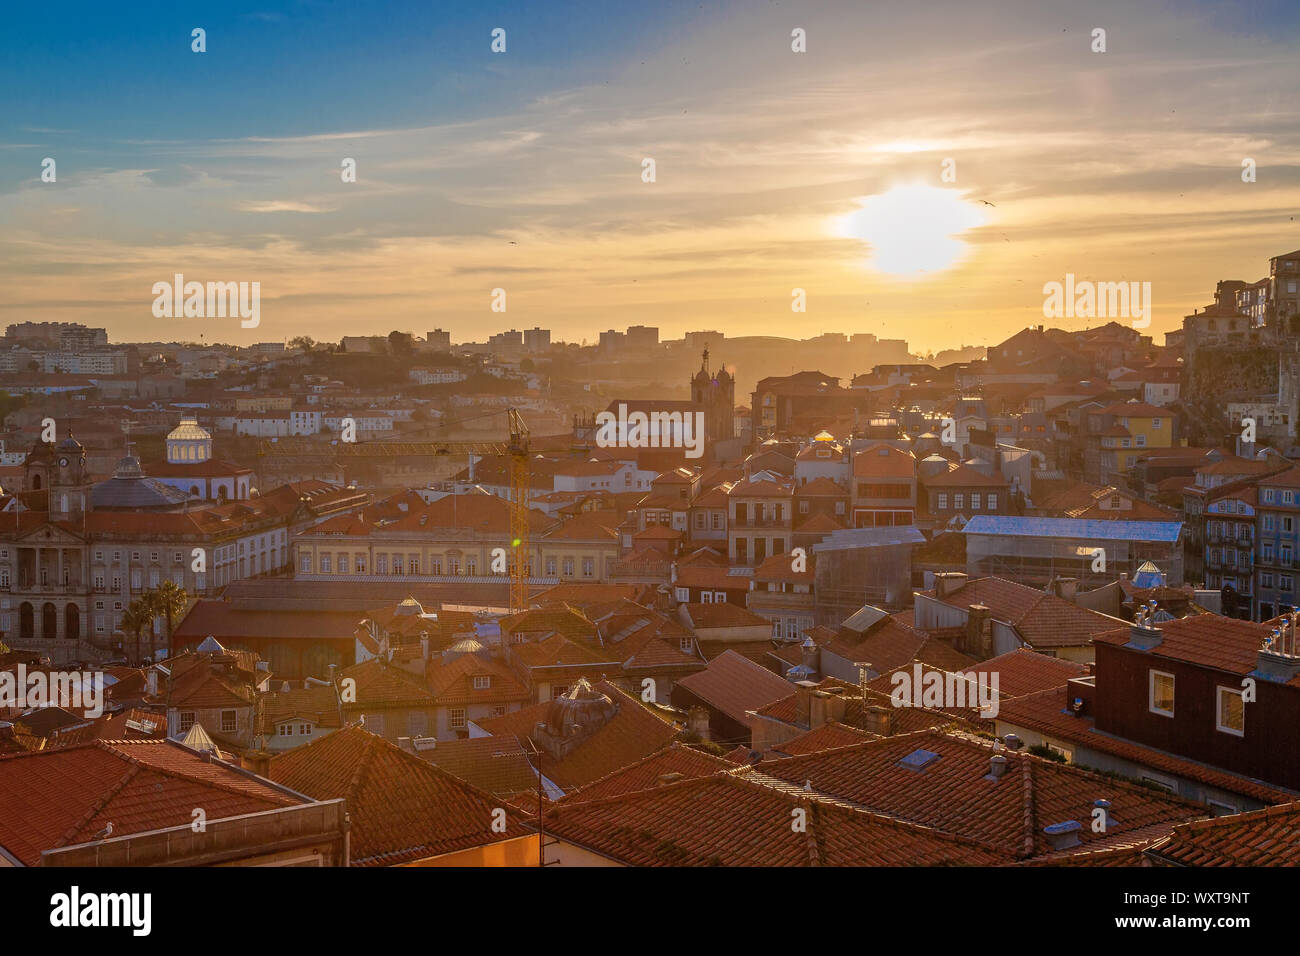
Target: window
column 943, row 501
column 568, row 567
column 1140, row 441
column 1162, row 693
column 305, row 561
column 228, row 722
column 458, row 718
column 588, row 567
column 992, row 502
column 1230, row 714
column 1156, row 423
column 186, row 721
column 803, row 507
column 342, row 564
column 975, row 501
column 958, row 501
column 284, row 730
column 482, row 682
column 324, row 564
column 685, row 644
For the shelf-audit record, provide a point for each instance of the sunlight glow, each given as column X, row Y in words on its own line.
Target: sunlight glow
column 913, row 229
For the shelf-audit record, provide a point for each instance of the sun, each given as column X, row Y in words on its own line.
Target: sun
column 914, row 229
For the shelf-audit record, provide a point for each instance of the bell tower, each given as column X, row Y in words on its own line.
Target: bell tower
column 69, row 483
column 715, row 394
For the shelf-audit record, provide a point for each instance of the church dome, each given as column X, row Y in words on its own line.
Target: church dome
column 131, row 490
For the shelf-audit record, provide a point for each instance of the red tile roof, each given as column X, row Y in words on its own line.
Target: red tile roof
column 675, row 762
column 729, row 820
column 631, row 734
column 62, row 797
column 733, row 684
column 1268, row 837
column 953, row 792
column 402, row 808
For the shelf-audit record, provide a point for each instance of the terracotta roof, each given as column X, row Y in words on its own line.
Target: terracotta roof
column 1268, row 837
column 401, row 808
column 62, row 797
column 497, row 765
column 883, row 461
column 943, row 780
column 728, row 820
column 1223, row 643
column 632, row 733
column 675, row 762
column 381, row 684
column 893, row 644
column 1041, row 619
column 826, row 737
column 1023, row 671
column 780, row 567
column 733, row 684
column 720, row 614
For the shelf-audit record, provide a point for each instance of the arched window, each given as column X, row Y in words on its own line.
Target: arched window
column 49, row 621
column 36, row 482
column 72, row 622
column 26, row 621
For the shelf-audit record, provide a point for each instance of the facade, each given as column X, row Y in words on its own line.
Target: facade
column 1277, row 532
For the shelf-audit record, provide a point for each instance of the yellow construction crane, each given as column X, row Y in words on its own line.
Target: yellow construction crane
column 516, row 447
column 519, row 481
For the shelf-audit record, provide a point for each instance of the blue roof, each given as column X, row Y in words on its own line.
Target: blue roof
column 1083, row 528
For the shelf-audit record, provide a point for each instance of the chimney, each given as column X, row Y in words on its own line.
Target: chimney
column 997, row 767
column 825, row 706
column 1062, row 836
column 1013, row 741
column 1066, row 588
column 1144, row 635
column 697, row 722
column 424, row 644
column 810, row 655
column 945, row 582
column 878, row 720
column 803, row 702
column 152, row 678
column 979, row 637
column 1279, row 657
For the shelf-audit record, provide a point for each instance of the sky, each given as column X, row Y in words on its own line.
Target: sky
column 774, row 170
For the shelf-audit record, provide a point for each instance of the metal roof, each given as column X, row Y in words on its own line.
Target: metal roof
column 1081, row 528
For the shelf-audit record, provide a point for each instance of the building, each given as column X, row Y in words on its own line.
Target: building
column 190, row 467
column 537, row 339
column 1277, row 533
column 884, row 491
column 759, row 520
column 438, row 340
column 1035, row 550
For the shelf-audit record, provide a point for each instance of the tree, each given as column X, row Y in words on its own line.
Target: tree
column 304, row 342
column 169, row 601
column 401, row 343
column 135, row 619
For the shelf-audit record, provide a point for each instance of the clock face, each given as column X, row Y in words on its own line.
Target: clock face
column 63, row 463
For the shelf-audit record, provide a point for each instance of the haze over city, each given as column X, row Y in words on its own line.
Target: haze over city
column 523, row 170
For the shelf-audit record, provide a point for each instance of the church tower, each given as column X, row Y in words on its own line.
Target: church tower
column 715, row 394
column 68, row 482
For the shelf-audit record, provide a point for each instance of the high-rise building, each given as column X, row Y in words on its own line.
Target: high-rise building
column 439, row 340
column 537, row 340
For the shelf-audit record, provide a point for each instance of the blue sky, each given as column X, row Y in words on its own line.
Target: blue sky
column 522, row 170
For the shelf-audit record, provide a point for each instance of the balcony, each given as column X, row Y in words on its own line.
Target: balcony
column 760, row 522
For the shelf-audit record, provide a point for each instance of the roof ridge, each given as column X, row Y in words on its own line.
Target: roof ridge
column 1030, row 806
column 131, row 773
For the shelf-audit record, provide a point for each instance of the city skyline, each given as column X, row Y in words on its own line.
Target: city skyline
column 523, row 170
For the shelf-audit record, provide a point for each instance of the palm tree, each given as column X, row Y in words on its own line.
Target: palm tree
column 136, row 618
column 170, row 602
